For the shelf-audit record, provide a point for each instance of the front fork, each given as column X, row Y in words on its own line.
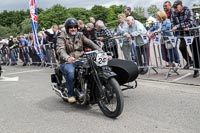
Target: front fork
column 100, row 77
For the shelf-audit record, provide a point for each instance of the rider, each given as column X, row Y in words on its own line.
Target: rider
column 69, row 48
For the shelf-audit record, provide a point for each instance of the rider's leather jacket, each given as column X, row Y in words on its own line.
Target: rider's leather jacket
column 68, row 46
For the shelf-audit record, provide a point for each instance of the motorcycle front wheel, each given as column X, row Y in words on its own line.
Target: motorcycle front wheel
column 111, row 100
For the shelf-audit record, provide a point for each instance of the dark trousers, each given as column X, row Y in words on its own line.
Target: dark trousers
column 142, row 54
column 184, row 52
column 195, row 48
column 164, row 53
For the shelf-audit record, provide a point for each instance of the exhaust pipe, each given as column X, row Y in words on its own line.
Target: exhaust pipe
column 58, row 92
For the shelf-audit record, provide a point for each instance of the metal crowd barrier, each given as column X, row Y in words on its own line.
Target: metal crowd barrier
column 160, row 54
column 155, row 55
column 29, row 55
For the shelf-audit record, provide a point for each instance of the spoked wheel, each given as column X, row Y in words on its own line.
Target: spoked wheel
column 111, row 102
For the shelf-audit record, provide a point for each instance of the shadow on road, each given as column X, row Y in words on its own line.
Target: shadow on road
column 55, row 104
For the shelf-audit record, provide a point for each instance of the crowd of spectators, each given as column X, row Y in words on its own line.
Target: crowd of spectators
column 173, row 20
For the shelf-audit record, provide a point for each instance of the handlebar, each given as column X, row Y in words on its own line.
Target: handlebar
column 117, row 37
column 91, row 52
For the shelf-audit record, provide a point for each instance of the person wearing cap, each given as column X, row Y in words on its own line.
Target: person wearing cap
column 182, row 20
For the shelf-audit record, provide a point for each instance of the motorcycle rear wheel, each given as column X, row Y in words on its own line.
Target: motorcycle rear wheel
column 112, row 95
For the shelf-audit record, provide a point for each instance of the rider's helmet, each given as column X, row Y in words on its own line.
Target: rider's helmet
column 69, row 23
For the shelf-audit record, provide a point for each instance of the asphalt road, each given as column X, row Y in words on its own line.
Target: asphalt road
column 30, row 106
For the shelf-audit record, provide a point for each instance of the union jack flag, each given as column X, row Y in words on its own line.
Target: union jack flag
column 34, row 21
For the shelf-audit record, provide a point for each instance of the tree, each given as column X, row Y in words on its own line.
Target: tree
column 111, row 15
column 152, row 10
column 16, row 17
column 18, row 22
column 26, row 26
column 139, row 10
column 99, row 12
column 54, row 15
column 4, row 31
column 80, row 13
column 14, row 30
column 117, row 9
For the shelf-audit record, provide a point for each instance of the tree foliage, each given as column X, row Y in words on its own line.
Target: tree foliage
column 152, row 9
column 4, row 31
column 139, row 10
column 99, row 12
column 25, row 26
column 55, row 15
column 18, row 22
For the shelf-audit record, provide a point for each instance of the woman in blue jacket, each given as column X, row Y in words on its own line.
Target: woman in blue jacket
column 165, row 30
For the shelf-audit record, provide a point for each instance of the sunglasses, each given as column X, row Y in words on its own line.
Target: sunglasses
column 70, row 27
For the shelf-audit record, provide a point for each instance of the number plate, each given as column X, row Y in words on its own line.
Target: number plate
column 102, row 59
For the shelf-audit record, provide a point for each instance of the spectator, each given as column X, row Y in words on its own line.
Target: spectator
column 52, row 35
column 61, row 28
column 82, row 28
column 104, row 34
column 126, row 43
column 51, row 39
column 127, row 12
column 172, row 52
column 91, row 32
column 182, row 20
column 168, row 9
column 137, row 30
column 42, row 43
column 92, row 20
column 5, row 51
column 13, row 44
column 24, row 51
column 91, row 35
column 151, row 34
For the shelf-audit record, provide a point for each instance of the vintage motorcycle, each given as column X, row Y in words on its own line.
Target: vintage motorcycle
column 95, row 83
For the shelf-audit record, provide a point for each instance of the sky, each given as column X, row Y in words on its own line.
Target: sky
column 23, row 4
